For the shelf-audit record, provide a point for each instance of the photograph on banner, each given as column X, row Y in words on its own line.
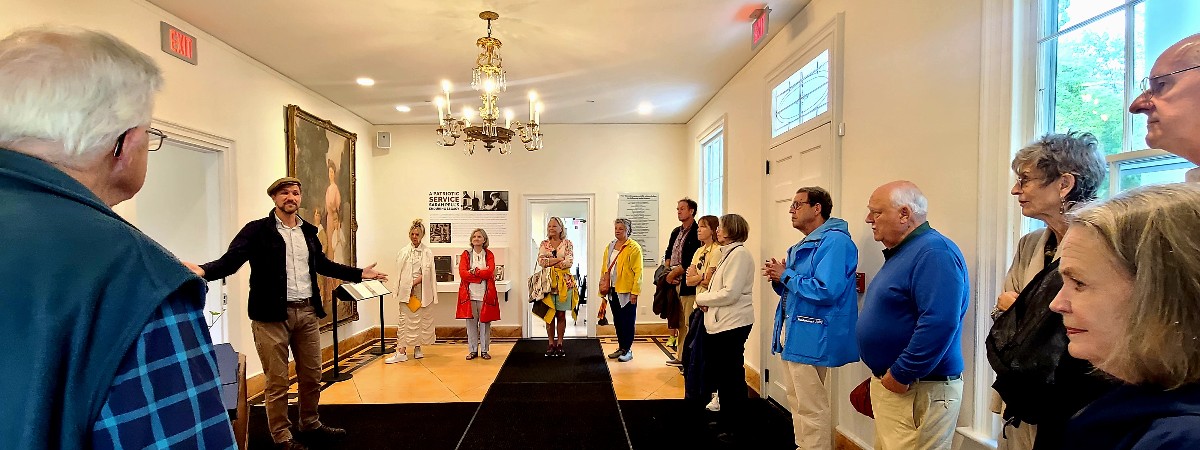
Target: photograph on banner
column 453, row 215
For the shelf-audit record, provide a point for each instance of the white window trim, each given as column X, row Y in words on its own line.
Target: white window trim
column 825, row 40
column 718, row 126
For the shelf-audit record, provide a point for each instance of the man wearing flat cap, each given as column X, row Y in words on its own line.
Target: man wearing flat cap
column 284, row 306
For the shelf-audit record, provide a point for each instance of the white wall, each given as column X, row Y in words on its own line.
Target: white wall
column 227, row 95
column 577, row 159
column 911, row 90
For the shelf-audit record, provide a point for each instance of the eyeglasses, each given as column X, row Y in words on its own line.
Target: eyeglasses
column 1151, row 89
column 154, row 140
column 1023, row 180
column 796, row 205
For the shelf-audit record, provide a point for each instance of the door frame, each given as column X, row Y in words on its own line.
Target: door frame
column 528, row 200
column 203, row 142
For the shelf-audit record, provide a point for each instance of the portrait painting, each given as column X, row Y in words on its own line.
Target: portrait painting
column 321, row 155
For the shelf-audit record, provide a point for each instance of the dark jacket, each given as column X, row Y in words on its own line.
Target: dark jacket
column 666, row 300
column 691, row 243
column 1138, row 418
column 260, row 243
column 79, row 285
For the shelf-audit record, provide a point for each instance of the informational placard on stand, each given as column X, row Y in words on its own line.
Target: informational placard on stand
column 641, row 208
column 365, row 290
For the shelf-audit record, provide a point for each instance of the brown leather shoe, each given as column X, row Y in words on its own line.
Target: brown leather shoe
column 290, row 444
column 322, row 434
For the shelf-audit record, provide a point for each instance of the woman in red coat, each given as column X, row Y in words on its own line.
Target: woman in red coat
column 477, row 299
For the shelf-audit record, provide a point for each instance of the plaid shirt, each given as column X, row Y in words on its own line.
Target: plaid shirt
column 167, row 392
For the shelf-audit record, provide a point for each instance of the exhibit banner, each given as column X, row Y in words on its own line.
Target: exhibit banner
column 453, row 215
column 641, row 208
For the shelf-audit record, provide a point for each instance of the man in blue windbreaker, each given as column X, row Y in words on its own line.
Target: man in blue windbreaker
column 817, row 311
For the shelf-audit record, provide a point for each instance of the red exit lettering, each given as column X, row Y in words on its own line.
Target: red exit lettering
column 760, row 27
column 181, row 44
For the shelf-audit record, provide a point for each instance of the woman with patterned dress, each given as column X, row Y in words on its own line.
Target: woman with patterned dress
column 415, row 289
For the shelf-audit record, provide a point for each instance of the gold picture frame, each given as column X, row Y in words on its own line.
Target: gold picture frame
column 321, row 155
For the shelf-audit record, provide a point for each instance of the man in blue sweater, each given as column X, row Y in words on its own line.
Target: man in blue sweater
column 909, row 331
column 818, row 306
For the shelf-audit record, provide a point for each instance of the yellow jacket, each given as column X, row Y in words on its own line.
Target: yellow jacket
column 628, row 268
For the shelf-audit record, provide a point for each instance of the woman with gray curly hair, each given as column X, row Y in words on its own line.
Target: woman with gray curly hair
column 621, row 283
column 1042, row 386
column 1131, row 281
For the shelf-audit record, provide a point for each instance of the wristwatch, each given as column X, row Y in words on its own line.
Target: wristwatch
column 996, row 312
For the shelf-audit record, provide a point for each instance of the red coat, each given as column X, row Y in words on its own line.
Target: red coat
column 491, row 303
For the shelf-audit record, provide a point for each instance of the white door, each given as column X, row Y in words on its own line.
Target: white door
column 806, row 160
column 179, row 206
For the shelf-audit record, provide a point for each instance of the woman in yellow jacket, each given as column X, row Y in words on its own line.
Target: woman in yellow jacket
column 623, row 272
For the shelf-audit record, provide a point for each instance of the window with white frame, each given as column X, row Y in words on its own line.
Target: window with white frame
column 802, row 96
column 712, row 173
column 1093, row 55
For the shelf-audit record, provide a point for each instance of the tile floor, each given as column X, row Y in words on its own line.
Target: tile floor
column 443, row 375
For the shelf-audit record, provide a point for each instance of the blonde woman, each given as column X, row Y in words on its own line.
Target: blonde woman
column 557, row 253
column 623, row 272
column 415, row 290
column 1131, row 280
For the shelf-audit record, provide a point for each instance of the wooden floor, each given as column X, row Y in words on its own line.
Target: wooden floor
column 444, row 375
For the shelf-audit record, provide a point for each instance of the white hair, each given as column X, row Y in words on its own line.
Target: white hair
column 909, row 195
column 74, row 87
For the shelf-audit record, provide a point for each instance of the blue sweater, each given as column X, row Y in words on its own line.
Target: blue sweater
column 911, row 320
column 1139, row 418
column 818, row 307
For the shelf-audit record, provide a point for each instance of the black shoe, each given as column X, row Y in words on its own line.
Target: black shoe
column 616, row 354
column 290, row 444
column 728, row 438
column 323, row 433
column 674, row 362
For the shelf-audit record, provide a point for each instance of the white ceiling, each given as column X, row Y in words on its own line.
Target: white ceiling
column 591, row 61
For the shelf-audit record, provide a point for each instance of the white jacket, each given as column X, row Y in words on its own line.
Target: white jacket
column 729, row 298
column 404, row 278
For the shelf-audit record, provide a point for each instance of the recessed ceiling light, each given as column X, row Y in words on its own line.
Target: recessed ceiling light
column 645, row 108
column 403, row 108
column 364, row 81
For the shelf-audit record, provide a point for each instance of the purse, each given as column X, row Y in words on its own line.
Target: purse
column 606, row 278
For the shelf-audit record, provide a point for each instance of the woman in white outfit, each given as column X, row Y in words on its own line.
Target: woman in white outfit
column 415, row 290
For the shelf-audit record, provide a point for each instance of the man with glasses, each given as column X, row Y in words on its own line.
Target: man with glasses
column 112, row 350
column 1170, row 100
column 817, row 312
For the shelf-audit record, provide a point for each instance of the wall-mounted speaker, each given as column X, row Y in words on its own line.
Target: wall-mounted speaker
column 383, row 139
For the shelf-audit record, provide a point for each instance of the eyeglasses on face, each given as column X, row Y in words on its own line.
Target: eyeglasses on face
column 1151, row 88
column 154, row 140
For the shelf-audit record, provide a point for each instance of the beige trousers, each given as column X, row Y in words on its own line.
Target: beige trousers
column 809, row 398
column 921, row 419
column 1017, row 438
column 689, row 305
column 272, row 339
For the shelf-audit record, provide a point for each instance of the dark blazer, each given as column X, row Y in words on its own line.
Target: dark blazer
column 260, row 243
column 691, row 243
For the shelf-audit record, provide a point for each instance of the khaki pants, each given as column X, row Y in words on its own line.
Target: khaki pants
column 1017, row 438
column 272, row 339
column 811, row 414
column 689, row 305
column 921, row 419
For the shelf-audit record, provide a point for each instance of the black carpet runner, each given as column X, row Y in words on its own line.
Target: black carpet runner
column 536, row 403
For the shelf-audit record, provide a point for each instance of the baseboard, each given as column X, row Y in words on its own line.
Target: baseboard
column 504, row 331
column 641, row 329
column 843, row 442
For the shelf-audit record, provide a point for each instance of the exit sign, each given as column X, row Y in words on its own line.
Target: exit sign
column 177, row 43
column 758, row 27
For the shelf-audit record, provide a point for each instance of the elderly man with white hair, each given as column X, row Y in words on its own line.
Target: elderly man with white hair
column 1170, row 99
column 112, row 350
column 910, row 326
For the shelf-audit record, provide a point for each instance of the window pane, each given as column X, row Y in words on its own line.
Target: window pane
column 1072, row 12
column 1141, row 68
column 802, row 96
column 1089, row 82
column 1145, row 172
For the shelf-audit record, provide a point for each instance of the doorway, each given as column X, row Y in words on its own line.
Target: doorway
column 181, row 207
column 576, row 212
column 806, row 160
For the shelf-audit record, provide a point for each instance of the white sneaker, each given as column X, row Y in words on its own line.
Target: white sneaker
column 399, row 357
column 628, row 356
column 417, row 353
column 714, row 405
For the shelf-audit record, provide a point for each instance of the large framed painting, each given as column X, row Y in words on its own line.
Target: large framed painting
column 321, row 155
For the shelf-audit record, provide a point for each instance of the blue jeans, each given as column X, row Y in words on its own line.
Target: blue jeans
column 624, row 319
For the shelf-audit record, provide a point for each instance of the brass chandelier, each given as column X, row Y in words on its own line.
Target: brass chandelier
column 487, row 78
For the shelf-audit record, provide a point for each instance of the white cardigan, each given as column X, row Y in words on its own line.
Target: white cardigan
column 729, row 299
